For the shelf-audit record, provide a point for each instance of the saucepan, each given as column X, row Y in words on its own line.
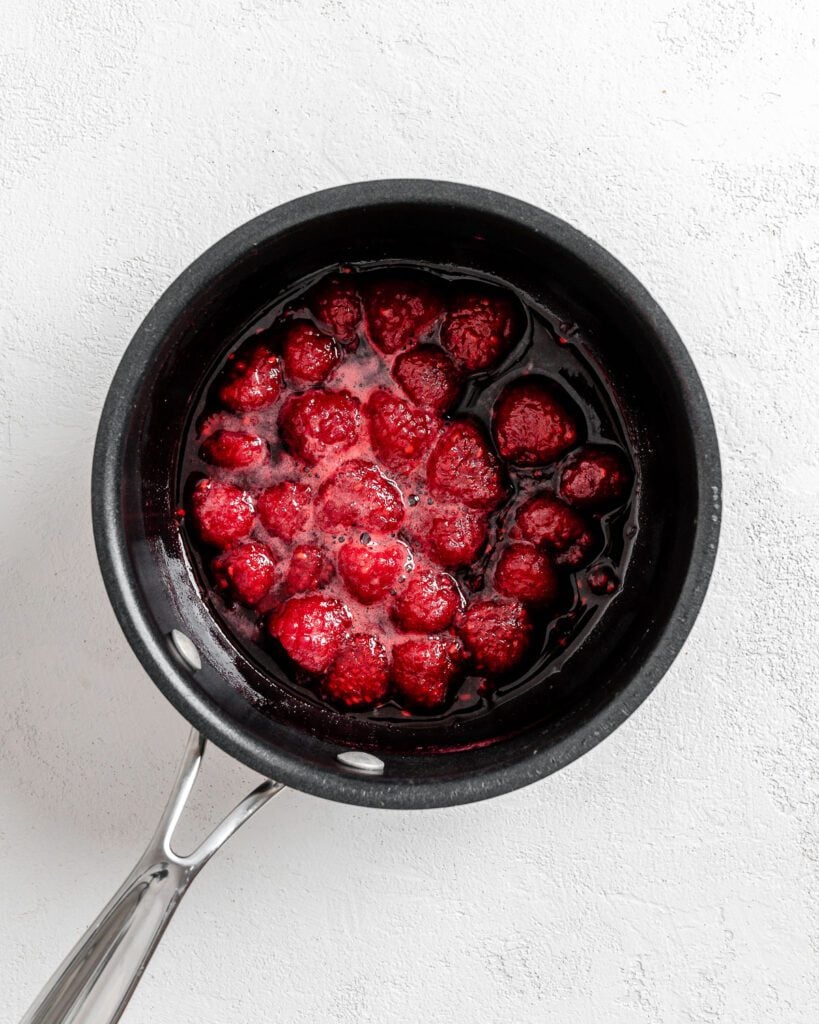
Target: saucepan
column 223, row 693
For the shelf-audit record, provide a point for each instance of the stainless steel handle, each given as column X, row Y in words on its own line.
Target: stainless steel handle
column 97, row 978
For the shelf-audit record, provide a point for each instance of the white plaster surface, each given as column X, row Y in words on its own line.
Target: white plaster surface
column 669, row 876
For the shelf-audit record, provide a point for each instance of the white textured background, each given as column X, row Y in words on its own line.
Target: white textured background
column 672, row 875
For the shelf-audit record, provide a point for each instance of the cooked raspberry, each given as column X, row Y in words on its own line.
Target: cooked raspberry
column 455, row 537
column 526, row 573
column 428, row 376
column 602, row 580
column 480, row 327
column 234, row 449
column 428, row 603
column 497, row 633
column 401, row 312
column 358, row 495
column 253, row 380
column 317, row 423
column 247, row 571
column 284, row 508
column 424, row 670
column 223, row 513
column 336, row 306
column 311, row 628
column 370, row 570
column 360, row 673
column 309, row 356
column 532, row 422
column 547, row 521
column 595, row 478
column 401, row 436
column 462, row 467
column 311, row 568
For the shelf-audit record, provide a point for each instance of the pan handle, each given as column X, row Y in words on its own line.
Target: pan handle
column 98, row 977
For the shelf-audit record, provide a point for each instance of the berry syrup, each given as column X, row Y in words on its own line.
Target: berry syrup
column 407, row 492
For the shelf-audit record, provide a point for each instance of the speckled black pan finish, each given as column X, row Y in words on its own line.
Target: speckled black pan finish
column 153, row 592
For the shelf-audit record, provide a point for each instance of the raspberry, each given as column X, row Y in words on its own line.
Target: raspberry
column 497, row 633
column 401, row 312
column 234, row 449
column 548, row 522
column 455, row 537
column 310, row 569
column 400, row 435
column 428, row 376
column 526, row 573
column 311, row 629
column 336, row 305
column 247, row 571
column 480, row 327
column 284, row 508
column 425, row 669
column 428, row 604
column 461, row 467
column 317, row 423
column 309, row 356
column 358, row 495
column 223, row 513
column 253, row 380
column 360, row 673
column 369, row 571
column 602, row 580
column 532, row 424
column 595, row 478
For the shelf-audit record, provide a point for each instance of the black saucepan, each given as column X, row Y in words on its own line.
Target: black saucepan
column 215, row 686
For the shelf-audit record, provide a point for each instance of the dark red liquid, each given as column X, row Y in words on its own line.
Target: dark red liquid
column 541, row 346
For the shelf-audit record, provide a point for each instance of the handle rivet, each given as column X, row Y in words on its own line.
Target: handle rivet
column 186, row 649
column 361, row 761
